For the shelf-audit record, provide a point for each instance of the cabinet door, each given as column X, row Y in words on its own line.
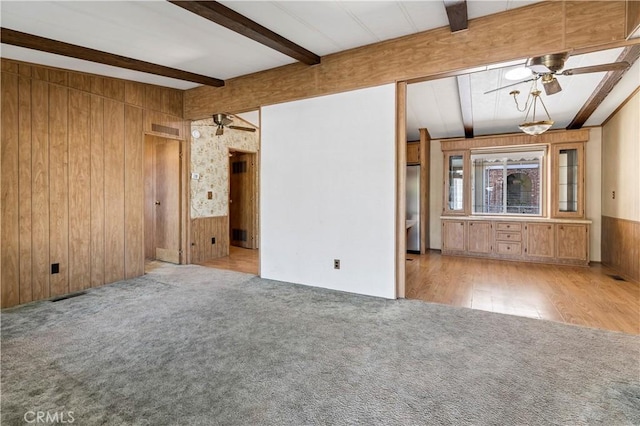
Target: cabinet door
column 540, row 240
column 413, row 153
column 479, row 240
column 452, row 235
column 567, row 194
column 572, row 241
column 456, row 182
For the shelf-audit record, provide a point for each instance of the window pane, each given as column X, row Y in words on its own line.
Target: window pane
column 507, row 183
column 568, row 180
column 455, row 182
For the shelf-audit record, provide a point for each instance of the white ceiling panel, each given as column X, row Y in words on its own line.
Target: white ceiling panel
column 627, row 85
column 434, row 105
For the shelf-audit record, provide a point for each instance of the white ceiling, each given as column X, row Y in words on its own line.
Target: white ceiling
column 162, row 33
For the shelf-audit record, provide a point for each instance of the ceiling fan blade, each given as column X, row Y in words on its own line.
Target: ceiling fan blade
column 614, row 66
column 551, row 87
column 511, row 85
column 246, row 129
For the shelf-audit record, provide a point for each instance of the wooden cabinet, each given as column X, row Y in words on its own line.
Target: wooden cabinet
column 559, row 241
column 453, row 235
column 567, row 183
column 572, row 242
column 479, row 237
column 413, row 153
column 456, row 183
column 540, row 240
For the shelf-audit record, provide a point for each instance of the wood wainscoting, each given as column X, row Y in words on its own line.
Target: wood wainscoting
column 621, row 246
column 72, row 179
column 203, row 230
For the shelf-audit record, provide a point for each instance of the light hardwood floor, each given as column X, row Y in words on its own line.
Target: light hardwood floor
column 239, row 259
column 586, row 296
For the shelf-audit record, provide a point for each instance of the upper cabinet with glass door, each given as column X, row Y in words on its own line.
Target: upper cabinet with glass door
column 567, row 191
column 455, row 185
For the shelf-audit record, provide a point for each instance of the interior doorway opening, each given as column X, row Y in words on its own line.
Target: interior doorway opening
column 164, row 196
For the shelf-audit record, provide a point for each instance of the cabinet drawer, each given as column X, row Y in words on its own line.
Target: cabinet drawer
column 509, row 236
column 509, row 226
column 512, row 249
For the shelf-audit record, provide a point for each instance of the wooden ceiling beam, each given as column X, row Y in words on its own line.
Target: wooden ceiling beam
column 464, row 91
column 30, row 41
column 630, row 54
column 457, row 14
column 222, row 15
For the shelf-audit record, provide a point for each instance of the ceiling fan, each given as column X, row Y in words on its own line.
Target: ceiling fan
column 546, row 67
column 222, row 120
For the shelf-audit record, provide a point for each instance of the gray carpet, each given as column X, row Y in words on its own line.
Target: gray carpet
column 195, row 346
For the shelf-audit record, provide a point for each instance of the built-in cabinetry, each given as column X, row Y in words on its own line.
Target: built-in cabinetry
column 516, row 197
column 413, row 152
column 560, row 241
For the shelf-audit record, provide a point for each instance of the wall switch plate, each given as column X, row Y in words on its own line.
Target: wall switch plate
column 209, row 195
column 195, row 176
column 213, row 240
column 55, row 268
column 336, row 263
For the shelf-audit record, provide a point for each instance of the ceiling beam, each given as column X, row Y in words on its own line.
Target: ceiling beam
column 457, row 14
column 29, row 41
column 630, row 54
column 222, row 15
column 464, row 91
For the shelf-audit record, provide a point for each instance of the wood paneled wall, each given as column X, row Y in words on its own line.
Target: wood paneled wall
column 621, row 246
column 202, row 230
column 72, row 178
column 541, row 28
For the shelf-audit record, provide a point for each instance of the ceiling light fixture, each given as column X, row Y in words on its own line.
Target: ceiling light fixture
column 533, row 126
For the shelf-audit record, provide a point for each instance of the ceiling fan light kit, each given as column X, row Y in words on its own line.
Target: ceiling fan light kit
column 533, row 127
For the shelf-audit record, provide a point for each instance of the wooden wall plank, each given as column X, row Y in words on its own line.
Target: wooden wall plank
column 621, row 246
column 633, row 16
column 153, row 98
column 172, row 101
column 489, row 39
column 97, row 85
column 40, row 185
column 134, row 93
column 80, row 81
column 25, row 188
column 134, row 192
column 586, row 20
column 97, row 190
column 10, row 66
column 59, row 188
column 57, row 76
column 79, row 191
column 10, row 240
column 114, row 89
column 39, row 73
column 114, row 191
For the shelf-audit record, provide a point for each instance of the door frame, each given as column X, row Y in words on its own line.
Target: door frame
column 256, row 195
column 185, row 195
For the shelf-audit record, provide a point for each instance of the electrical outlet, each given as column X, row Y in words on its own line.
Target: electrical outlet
column 209, row 195
column 336, row 263
column 195, row 176
column 55, row 268
column 213, row 240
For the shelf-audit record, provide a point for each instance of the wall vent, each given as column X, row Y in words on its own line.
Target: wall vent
column 165, row 129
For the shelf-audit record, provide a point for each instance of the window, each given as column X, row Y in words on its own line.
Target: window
column 507, row 183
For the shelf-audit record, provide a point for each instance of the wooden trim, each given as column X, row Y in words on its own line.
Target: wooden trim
column 401, row 187
column 490, row 38
column 464, row 92
column 630, row 54
column 457, row 14
column 551, row 137
column 17, row 38
column 229, row 18
column 425, row 170
column 633, row 17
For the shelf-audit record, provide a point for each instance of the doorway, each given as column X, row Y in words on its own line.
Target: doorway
column 163, row 198
column 243, row 220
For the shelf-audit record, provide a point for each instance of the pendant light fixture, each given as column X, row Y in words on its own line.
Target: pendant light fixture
column 533, row 126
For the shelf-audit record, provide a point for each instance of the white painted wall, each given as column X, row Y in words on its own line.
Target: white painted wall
column 620, row 162
column 328, row 191
column 435, row 197
column 593, row 189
